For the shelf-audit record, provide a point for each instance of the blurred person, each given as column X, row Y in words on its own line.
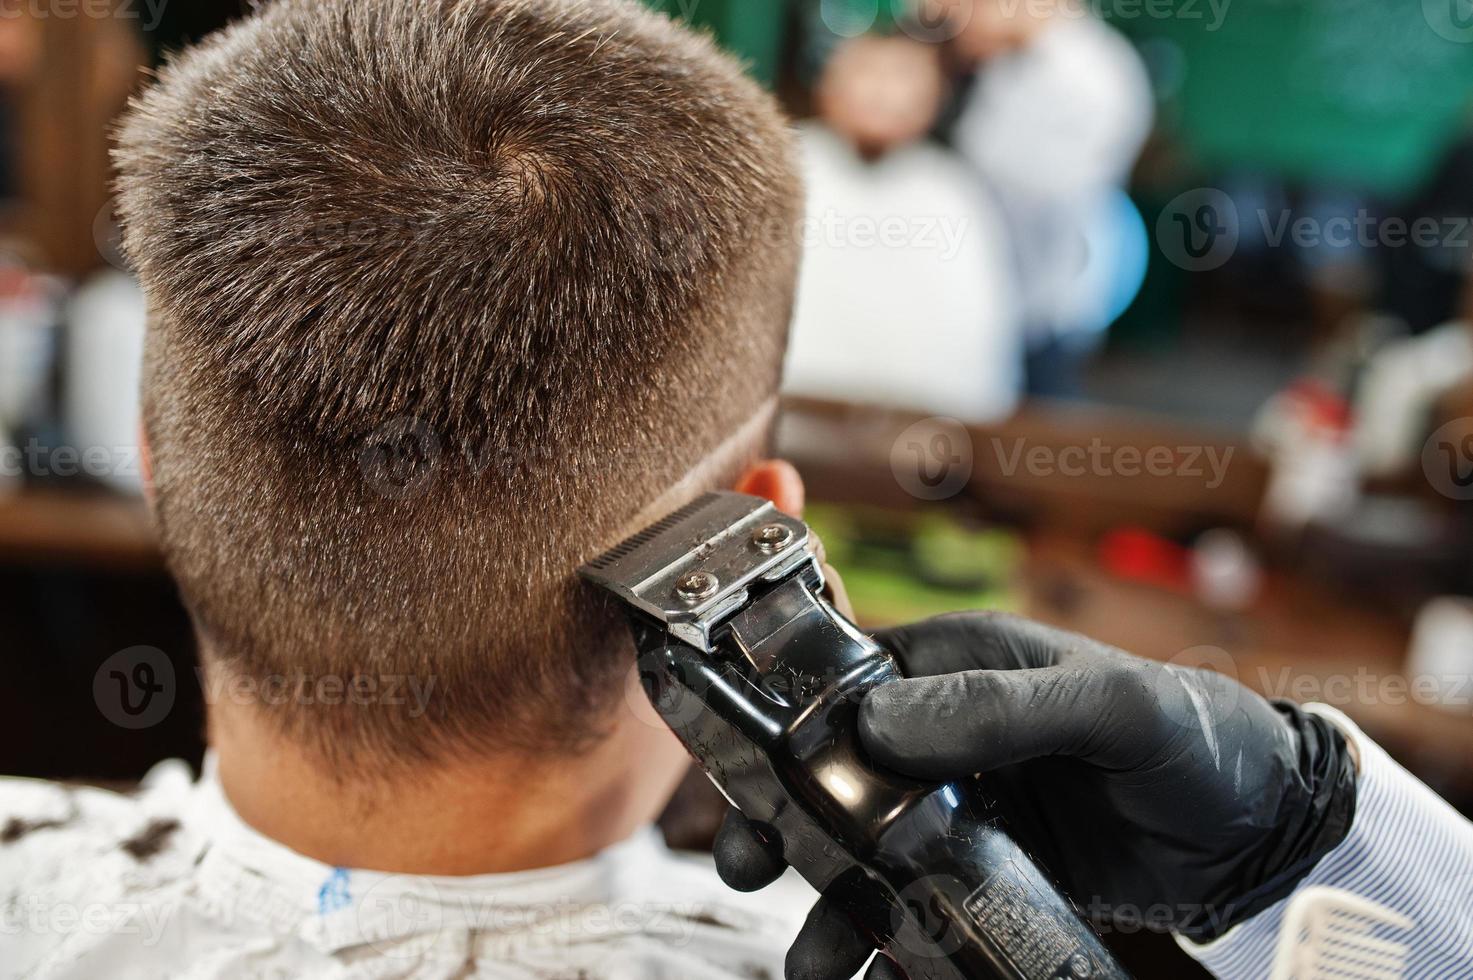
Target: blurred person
column 444, row 299
column 1054, row 108
column 1405, row 382
column 905, row 297
column 1427, row 278
column 102, row 354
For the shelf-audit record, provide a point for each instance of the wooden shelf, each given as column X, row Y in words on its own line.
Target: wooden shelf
column 76, row 527
column 1299, row 641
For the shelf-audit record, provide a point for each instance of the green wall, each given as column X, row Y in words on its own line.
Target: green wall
column 753, row 29
column 1364, row 91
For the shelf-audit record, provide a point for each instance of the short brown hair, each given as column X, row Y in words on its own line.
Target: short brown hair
column 442, row 293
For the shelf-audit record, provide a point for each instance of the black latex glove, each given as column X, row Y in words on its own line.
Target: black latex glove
column 1157, row 795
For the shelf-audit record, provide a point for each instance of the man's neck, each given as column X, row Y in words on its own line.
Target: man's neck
column 477, row 816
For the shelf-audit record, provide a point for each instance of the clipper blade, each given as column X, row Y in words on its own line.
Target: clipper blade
column 694, row 567
column 630, row 545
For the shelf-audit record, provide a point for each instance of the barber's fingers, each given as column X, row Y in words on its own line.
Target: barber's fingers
column 748, row 857
column 829, row 947
column 985, row 641
column 954, row 725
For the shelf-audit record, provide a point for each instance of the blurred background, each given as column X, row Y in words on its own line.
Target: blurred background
column 1144, row 317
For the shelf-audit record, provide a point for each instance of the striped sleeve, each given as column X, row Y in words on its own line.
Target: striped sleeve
column 1407, row 850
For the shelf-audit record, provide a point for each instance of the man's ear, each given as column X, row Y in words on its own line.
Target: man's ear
column 778, row 481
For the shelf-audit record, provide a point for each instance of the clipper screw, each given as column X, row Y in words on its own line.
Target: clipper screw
column 697, row 586
column 773, row 537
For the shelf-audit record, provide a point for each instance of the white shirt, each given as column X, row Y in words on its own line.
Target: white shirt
column 1407, row 850
column 906, row 293
column 169, row 882
column 1055, row 129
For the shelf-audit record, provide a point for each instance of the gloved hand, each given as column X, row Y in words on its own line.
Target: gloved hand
column 1155, row 795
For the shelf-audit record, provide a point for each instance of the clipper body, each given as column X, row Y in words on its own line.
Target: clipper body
column 761, row 678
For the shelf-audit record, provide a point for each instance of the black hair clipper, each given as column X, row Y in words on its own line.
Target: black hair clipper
column 761, row 678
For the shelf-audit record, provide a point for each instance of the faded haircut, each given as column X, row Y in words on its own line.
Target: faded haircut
column 442, row 293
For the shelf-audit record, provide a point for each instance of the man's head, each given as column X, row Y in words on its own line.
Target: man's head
column 985, row 29
column 881, row 92
column 444, row 293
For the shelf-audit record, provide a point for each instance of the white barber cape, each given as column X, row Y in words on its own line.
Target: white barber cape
column 169, row 883
column 906, row 294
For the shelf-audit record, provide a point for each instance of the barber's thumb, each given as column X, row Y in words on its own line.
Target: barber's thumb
column 955, row 725
column 748, row 855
